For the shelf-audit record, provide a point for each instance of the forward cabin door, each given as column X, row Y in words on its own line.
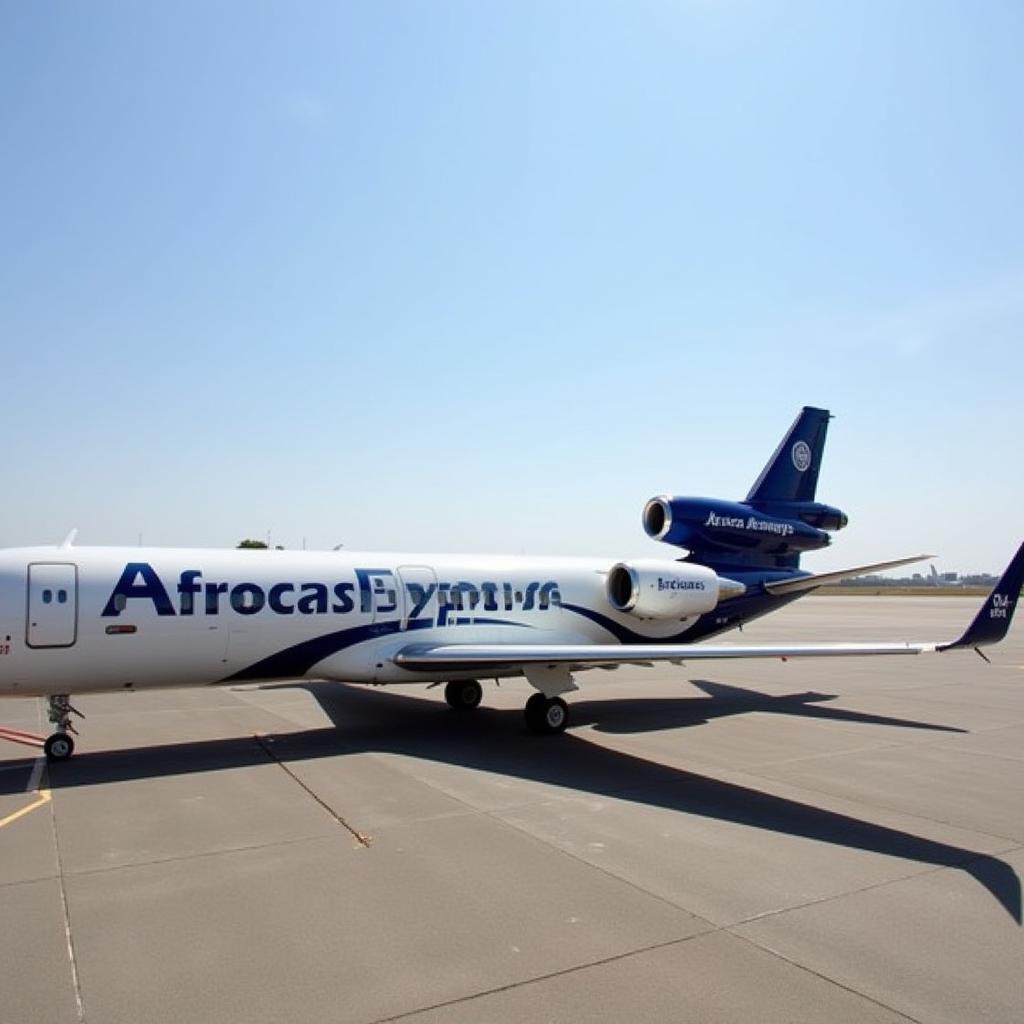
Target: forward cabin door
column 418, row 586
column 52, row 604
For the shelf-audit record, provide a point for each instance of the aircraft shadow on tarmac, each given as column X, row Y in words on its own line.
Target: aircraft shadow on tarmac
column 496, row 741
column 651, row 714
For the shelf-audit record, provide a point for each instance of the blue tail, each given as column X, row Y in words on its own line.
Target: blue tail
column 791, row 474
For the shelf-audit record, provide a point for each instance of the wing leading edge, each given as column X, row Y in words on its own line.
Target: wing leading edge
column 988, row 627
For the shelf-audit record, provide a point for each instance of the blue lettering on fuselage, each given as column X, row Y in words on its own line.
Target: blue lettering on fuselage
column 375, row 591
column 150, row 588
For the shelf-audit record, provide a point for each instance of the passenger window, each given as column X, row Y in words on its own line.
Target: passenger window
column 47, row 596
column 62, row 597
column 120, row 602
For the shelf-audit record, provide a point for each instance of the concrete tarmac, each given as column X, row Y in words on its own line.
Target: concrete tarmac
column 813, row 841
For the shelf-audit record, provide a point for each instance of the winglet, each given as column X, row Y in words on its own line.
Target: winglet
column 993, row 620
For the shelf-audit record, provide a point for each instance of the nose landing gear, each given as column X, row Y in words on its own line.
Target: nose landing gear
column 60, row 746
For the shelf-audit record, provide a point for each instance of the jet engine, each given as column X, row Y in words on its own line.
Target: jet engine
column 713, row 526
column 652, row 589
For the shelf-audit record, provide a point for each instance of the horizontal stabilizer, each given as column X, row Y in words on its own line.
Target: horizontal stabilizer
column 801, row 583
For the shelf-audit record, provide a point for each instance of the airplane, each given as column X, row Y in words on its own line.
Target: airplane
column 76, row 620
column 936, row 580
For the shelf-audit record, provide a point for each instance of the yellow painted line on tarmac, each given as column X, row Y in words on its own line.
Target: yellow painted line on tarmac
column 42, row 800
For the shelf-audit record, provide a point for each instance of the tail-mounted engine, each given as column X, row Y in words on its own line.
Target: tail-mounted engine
column 652, row 589
column 712, row 527
column 776, row 522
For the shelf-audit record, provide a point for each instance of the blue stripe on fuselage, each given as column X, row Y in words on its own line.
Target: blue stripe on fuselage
column 726, row 616
column 297, row 660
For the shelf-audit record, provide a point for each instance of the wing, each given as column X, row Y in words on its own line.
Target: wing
column 794, row 586
column 578, row 656
column 989, row 626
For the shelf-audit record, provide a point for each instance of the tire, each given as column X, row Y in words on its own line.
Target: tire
column 534, row 712
column 463, row 694
column 556, row 715
column 59, row 747
column 546, row 716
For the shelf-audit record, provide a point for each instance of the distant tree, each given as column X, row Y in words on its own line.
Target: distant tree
column 250, row 543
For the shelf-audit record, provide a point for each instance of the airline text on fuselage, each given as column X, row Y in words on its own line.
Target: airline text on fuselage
column 373, row 591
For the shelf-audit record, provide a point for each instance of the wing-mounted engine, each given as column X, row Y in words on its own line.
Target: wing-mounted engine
column 652, row 589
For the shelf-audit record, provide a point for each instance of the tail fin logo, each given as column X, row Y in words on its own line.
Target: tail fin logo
column 801, row 455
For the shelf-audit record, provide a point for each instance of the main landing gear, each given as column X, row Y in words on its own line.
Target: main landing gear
column 463, row 694
column 544, row 715
column 60, row 746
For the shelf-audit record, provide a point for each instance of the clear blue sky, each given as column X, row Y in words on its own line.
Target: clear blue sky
column 478, row 276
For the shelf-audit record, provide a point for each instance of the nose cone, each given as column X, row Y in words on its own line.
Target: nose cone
column 728, row 589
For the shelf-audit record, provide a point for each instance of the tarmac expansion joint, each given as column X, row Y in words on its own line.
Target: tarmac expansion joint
column 362, row 839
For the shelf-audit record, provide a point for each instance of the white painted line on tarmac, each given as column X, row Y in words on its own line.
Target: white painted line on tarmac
column 37, row 774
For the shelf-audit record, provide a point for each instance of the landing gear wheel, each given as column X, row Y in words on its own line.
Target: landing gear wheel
column 534, row 707
column 463, row 694
column 546, row 715
column 59, row 747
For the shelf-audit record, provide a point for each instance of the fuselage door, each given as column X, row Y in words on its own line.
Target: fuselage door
column 418, row 586
column 52, row 605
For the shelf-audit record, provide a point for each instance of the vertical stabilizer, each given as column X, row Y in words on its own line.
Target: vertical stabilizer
column 792, row 472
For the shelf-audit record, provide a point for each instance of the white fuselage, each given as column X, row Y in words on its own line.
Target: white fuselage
column 76, row 620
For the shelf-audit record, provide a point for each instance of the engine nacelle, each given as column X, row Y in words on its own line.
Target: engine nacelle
column 710, row 525
column 813, row 513
column 651, row 589
column 824, row 517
